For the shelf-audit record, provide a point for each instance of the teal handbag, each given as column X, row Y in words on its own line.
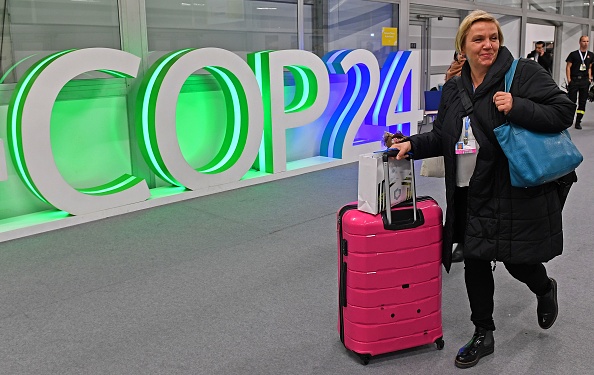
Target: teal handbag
column 535, row 158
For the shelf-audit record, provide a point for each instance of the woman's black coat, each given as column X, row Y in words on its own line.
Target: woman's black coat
column 504, row 223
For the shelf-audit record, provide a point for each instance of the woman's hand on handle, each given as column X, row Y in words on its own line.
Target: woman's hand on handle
column 503, row 101
column 403, row 148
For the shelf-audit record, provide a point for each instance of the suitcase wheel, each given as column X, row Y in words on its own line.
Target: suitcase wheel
column 439, row 343
column 365, row 358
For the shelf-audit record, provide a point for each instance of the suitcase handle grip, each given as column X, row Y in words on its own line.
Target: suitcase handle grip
column 403, row 219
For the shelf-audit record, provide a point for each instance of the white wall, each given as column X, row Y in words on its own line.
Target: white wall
column 510, row 26
column 571, row 42
column 443, row 36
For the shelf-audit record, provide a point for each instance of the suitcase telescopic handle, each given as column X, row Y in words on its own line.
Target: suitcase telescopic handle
column 392, row 152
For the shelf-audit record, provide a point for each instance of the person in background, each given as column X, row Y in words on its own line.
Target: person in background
column 550, row 47
column 497, row 222
column 541, row 56
column 456, row 66
column 579, row 75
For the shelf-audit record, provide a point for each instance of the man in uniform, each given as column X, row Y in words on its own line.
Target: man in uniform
column 579, row 76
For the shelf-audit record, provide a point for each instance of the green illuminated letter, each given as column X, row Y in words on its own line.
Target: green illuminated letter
column 312, row 91
column 156, row 117
column 29, row 143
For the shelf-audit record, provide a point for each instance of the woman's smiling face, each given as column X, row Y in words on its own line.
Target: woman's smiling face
column 481, row 45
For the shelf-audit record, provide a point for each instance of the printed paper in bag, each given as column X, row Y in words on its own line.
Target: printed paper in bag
column 371, row 185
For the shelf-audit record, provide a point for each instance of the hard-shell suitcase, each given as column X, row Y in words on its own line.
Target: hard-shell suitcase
column 390, row 276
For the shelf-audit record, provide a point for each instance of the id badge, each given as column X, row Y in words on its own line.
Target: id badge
column 582, row 67
column 466, row 146
column 469, row 148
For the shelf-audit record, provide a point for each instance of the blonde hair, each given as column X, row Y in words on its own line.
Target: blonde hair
column 473, row 17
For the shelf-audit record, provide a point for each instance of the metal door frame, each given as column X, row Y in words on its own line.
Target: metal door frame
column 425, row 48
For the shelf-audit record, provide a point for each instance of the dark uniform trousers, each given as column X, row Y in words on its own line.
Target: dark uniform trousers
column 579, row 85
column 478, row 274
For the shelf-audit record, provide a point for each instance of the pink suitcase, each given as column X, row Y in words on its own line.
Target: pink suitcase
column 390, row 277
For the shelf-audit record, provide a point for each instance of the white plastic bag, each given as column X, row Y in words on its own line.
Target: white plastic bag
column 370, row 197
column 433, row 167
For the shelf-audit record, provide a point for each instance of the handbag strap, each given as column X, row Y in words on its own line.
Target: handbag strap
column 468, row 107
column 509, row 75
column 467, row 103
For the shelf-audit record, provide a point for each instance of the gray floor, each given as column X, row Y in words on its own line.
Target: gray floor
column 244, row 282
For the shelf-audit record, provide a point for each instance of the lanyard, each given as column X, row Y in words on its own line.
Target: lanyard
column 466, row 127
column 583, row 56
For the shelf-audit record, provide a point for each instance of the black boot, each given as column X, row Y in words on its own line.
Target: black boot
column 548, row 308
column 481, row 344
column 578, row 120
column 458, row 253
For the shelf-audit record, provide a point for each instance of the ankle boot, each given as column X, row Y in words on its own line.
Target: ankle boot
column 548, row 308
column 578, row 120
column 481, row 344
column 458, row 253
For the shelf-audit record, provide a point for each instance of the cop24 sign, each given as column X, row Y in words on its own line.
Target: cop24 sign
column 257, row 116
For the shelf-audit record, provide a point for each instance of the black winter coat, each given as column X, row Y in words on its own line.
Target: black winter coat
column 504, row 223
